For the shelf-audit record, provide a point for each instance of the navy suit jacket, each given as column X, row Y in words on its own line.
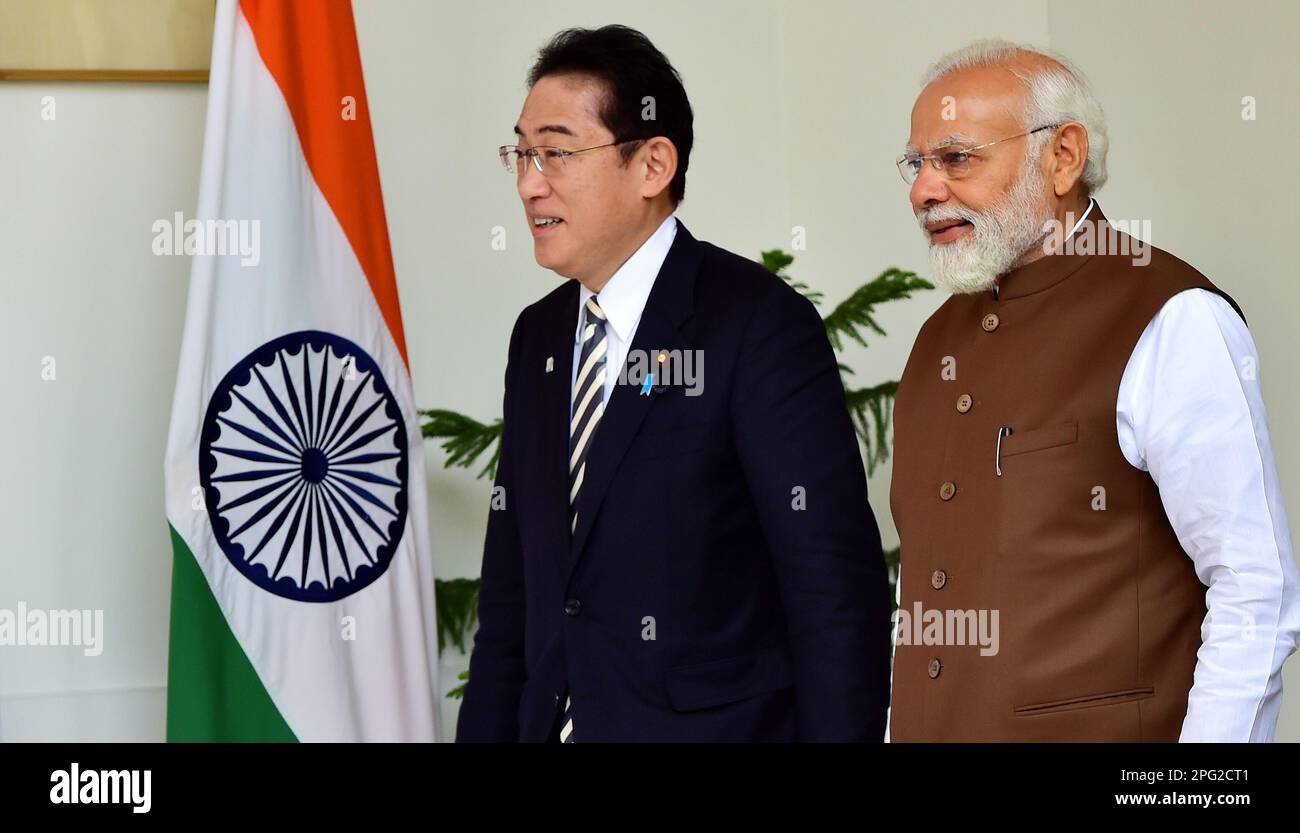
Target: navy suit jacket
column 725, row 581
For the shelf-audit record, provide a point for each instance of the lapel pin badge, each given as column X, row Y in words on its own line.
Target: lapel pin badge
column 660, row 368
column 550, row 363
column 662, row 373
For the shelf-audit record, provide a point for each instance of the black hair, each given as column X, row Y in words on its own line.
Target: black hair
column 631, row 69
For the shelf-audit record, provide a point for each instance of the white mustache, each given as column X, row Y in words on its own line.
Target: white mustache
column 940, row 214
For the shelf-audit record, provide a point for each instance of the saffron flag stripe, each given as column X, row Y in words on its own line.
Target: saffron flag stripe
column 339, row 152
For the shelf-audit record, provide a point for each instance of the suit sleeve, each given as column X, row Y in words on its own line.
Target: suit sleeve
column 489, row 712
column 802, row 463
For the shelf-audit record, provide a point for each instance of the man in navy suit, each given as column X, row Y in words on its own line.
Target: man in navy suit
column 677, row 550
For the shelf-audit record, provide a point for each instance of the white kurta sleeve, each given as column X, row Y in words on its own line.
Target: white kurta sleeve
column 1190, row 413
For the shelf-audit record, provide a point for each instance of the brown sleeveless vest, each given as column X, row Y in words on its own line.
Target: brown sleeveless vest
column 1098, row 607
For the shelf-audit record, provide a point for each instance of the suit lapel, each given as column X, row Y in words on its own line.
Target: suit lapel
column 668, row 306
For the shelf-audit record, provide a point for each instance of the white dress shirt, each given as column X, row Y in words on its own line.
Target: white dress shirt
column 622, row 299
column 1190, row 413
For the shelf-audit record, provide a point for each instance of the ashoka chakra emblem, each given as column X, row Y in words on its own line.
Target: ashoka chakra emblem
column 303, row 463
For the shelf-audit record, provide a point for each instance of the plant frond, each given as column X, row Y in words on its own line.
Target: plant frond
column 465, row 439
column 776, row 262
column 871, row 410
column 456, row 601
column 856, row 312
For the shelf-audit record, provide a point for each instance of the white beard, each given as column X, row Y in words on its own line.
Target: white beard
column 1000, row 236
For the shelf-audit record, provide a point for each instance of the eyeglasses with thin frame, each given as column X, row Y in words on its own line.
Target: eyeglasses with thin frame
column 513, row 156
column 952, row 162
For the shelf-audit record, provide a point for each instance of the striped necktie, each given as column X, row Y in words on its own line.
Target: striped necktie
column 588, row 405
column 588, row 402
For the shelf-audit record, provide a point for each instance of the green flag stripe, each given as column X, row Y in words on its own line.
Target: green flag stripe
column 213, row 692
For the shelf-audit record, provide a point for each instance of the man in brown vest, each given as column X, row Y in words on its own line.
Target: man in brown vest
column 1094, row 547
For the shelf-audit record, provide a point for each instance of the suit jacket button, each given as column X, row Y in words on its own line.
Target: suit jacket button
column 935, row 668
column 947, row 490
column 990, row 322
column 938, row 579
column 572, row 607
column 964, row 403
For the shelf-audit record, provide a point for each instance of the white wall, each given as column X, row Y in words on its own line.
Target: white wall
column 81, row 522
column 800, row 110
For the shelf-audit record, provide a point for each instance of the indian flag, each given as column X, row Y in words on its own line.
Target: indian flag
column 302, row 592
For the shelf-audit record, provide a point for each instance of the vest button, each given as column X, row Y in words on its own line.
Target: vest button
column 935, row 668
column 947, row 490
column 991, row 322
column 938, row 579
column 964, row 403
column 572, row 607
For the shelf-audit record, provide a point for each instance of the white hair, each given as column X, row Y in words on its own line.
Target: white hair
column 1057, row 94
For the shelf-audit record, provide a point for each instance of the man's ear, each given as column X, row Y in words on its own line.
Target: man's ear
column 657, row 164
column 1069, row 155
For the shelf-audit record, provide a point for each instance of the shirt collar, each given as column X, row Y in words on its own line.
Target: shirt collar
column 624, row 295
column 1086, row 212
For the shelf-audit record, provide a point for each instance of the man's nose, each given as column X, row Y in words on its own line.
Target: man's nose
column 532, row 182
column 928, row 188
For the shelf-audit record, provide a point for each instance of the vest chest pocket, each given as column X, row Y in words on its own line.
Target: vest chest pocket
column 1040, row 485
column 1039, row 439
column 1046, row 540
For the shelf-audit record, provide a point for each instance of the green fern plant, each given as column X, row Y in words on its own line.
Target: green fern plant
column 456, row 601
column 465, row 439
